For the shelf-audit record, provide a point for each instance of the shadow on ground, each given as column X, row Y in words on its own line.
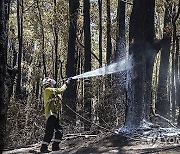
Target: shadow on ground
column 108, row 144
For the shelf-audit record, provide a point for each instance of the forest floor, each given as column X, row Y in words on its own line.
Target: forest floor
column 106, row 143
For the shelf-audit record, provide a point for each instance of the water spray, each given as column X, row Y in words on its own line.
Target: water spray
column 110, row 69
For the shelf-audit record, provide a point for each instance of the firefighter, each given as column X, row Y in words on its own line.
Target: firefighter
column 52, row 104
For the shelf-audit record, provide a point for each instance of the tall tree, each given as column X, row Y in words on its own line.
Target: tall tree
column 56, row 40
column 20, row 11
column 176, row 44
column 87, row 62
column 3, row 101
column 70, row 93
column 163, row 102
column 121, row 41
column 42, row 39
column 100, row 87
column 178, row 82
column 120, row 54
column 100, row 32
column 109, row 43
column 151, row 53
column 107, row 99
column 5, row 75
column 139, row 37
column 175, row 52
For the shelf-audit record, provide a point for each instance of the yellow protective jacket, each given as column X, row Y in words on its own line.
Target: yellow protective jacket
column 52, row 100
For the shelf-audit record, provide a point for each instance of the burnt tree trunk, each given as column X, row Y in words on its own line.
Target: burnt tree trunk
column 87, row 64
column 5, row 76
column 139, row 38
column 70, row 94
column 177, row 79
column 178, row 82
column 109, row 44
column 100, row 32
column 120, row 54
column 163, row 102
column 20, row 41
column 175, row 61
column 56, row 41
column 121, row 42
column 151, row 53
column 108, row 82
column 3, row 99
column 100, row 84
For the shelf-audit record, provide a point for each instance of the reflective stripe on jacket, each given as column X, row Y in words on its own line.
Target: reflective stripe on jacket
column 52, row 99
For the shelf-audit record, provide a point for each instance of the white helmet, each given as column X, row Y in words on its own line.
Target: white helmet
column 48, row 80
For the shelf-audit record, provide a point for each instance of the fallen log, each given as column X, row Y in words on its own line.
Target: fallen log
column 73, row 136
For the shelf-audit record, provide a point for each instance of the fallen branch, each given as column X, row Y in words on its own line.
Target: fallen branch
column 72, row 136
column 81, row 45
column 167, row 120
column 153, row 150
column 159, row 116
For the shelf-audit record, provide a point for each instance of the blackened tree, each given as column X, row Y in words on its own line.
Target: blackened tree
column 151, row 53
column 56, row 38
column 100, row 32
column 5, row 74
column 70, row 93
column 87, row 63
column 109, row 43
column 175, row 53
column 120, row 54
column 177, row 79
column 139, row 37
column 163, row 101
column 20, row 41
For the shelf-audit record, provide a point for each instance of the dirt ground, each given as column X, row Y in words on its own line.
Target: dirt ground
column 105, row 143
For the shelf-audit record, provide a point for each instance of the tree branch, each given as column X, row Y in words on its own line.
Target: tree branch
column 29, row 7
column 91, row 51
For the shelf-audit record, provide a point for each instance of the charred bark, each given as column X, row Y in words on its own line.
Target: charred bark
column 119, row 79
column 56, row 38
column 20, row 41
column 87, row 64
column 163, row 102
column 141, row 38
column 177, row 81
column 176, row 65
column 70, row 94
column 100, row 32
column 151, row 53
column 121, row 42
column 5, row 77
column 109, row 43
